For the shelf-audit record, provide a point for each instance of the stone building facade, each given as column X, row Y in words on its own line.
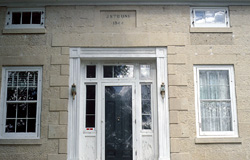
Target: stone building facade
column 156, row 38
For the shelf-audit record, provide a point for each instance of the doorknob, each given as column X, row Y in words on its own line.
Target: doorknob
column 118, row 119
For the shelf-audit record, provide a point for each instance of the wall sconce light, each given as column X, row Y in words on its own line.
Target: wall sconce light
column 73, row 90
column 163, row 90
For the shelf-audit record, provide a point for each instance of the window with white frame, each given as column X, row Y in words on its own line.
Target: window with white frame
column 19, row 18
column 21, row 102
column 209, row 17
column 215, row 100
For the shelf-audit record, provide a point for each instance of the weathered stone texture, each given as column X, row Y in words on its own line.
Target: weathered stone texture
column 59, row 81
column 58, row 104
column 57, row 131
column 62, row 145
column 166, row 26
column 63, row 117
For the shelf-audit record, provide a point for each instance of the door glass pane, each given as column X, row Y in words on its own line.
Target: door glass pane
column 118, row 122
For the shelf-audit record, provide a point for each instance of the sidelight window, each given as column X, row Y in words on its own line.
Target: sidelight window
column 146, row 106
column 90, row 106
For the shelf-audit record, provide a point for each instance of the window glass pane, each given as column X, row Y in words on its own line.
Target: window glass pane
column 123, row 71
column 22, row 110
column 36, row 17
column 31, row 125
column 33, row 76
column 90, row 107
column 216, row 116
column 16, row 18
column 32, row 93
column 146, row 91
column 90, row 91
column 11, row 93
column 32, row 110
column 219, row 17
column 22, row 94
column 108, row 71
column 12, row 79
column 26, row 17
column 210, row 17
column 22, row 78
column 21, row 125
column 214, row 84
column 145, row 71
column 120, row 71
column 199, row 16
column 90, row 121
column 10, row 125
column 11, row 110
column 91, row 71
column 146, row 107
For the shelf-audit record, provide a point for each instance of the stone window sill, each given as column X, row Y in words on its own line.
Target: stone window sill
column 218, row 140
column 210, row 30
column 25, row 31
column 20, row 141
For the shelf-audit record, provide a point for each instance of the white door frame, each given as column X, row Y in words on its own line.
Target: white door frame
column 157, row 54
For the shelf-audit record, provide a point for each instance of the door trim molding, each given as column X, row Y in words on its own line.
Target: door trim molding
column 158, row 54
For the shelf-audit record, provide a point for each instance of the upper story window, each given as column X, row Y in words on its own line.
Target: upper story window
column 25, row 18
column 20, row 103
column 216, row 106
column 209, row 17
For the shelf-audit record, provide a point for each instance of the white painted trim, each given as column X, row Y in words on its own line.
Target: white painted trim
column 73, row 111
column 35, row 135
column 159, row 55
column 200, row 133
column 163, row 108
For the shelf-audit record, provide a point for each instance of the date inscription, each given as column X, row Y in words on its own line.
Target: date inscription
column 118, row 18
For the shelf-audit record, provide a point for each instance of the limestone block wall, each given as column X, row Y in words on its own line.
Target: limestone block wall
column 167, row 26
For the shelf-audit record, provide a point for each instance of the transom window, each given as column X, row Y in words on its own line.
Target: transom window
column 118, row 71
column 209, row 17
column 21, row 95
column 25, row 18
column 216, row 101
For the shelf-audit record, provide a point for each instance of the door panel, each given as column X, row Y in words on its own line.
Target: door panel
column 118, row 123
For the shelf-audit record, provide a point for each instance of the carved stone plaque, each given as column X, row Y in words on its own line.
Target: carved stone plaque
column 123, row 18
